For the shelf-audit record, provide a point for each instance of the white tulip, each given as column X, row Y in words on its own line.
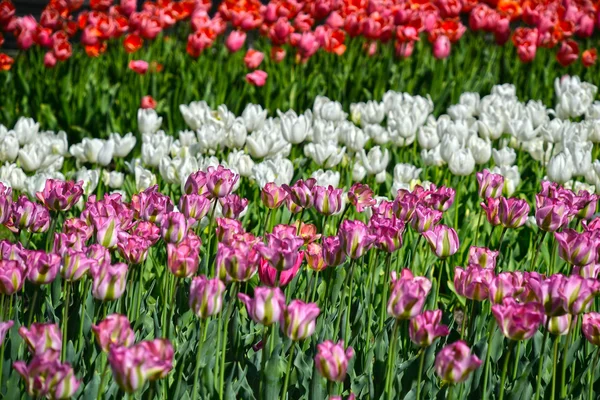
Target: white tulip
column 326, row 178
column 358, row 172
column 90, row 178
column 428, row 137
column 254, row 117
column 378, row 133
column 328, row 110
column 512, row 178
column 224, row 117
column 210, row 137
column 433, row 157
column 376, row 160
column 506, row 90
column 195, row 114
column 113, row 179
column 581, row 156
column 143, row 178
column 403, row 124
column 36, row 183
column 106, row 153
column 593, row 111
column 235, row 137
column 324, row 131
column 155, row 147
column 13, row 175
column 168, row 170
column 9, row 146
column 371, row 112
column 504, row 157
column 490, row 126
column 381, row 176
column 295, row 130
column 459, row 112
column 471, row 101
column 123, row 144
column 538, row 149
column 537, row 113
column 592, row 176
column 326, row 155
column 87, row 150
column 450, row 144
column 462, row 163
column 577, row 186
column 148, row 120
column 259, row 143
column 278, row 170
column 406, row 173
column 187, row 138
column 31, row 156
column 352, row 136
column 241, row 161
column 481, row 149
column 26, row 130
column 560, row 167
column 592, row 126
column 522, row 129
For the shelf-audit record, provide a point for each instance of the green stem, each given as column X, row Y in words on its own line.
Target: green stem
column 438, row 282
column 172, row 307
column 234, row 290
column 478, row 226
column 138, row 303
column 538, row 384
column 67, row 290
column 537, row 252
column 102, row 380
column 450, row 392
column 420, row 373
column 388, row 263
column 210, row 235
column 86, row 289
column 32, row 305
column 263, row 357
column 516, row 366
column 391, row 361
column 202, row 325
column 550, row 269
column 338, row 319
column 288, row 371
column 554, row 361
column 486, row 366
column 464, row 321
column 505, row 368
column 371, row 277
column 563, row 372
column 591, row 374
column 2, row 308
column 349, row 306
column 314, row 291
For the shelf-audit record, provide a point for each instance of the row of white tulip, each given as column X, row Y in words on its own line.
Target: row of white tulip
column 264, row 148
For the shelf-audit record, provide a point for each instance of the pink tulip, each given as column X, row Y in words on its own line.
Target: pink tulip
column 227, row 229
column 257, row 78
column 408, row 295
column 43, row 340
column 5, row 203
column 12, row 277
column 591, row 327
column 328, row 200
column 46, row 377
column 43, row 267
column 273, row 196
column 139, row 66
column 332, row 360
column 483, row 257
column 586, row 203
column 314, row 257
column 237, row 261
column 308, row 232
column 455, row 362
column 404, row 205
column 99, row 253
column 551, row 214
column 512, row 212
column 78, row 227
column 442, row 240
column 60, row 195
column 424, row 218
column 206, row 296
column 194, row 206
column 267, row 273
column 333, row 252
column 108, row 281
column 196, row 184
column 387, row 232
column 301, row 192
column 441, row 198
column 505, row 284
column 558, row 325
column 355, row 238
column 183, row 257
column 577, row 248
column 473, row 282
column 253, row 58
column 174, row 227
column 76, row 264
column 267, row 305
column 548, row 292
column 4, row 328
column 578, row 293
column 235, row 41
column 220, row 181
column 299, row 320
column 151, row 206
column 107, row 231
column 441, row 47
column 361, row 197
column 490, row 185
column 282, row 248
column 518, row 321
column 425, row 328
column 31, row 216
column 233, row 206
column 133, row 248
column 114, row 330
column 491, row 207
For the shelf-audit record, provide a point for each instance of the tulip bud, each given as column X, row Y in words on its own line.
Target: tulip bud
column 551, row 214
column 183, row 258
column 490, row 207
column 12, row 277
column 132, row 248
column 424, row 218
column 107, row 231
column 174, row 227
column 59, row 195
column 355, row 238
column 273, row 196
column 408, row 295
column 473, row 282
column 512, row 212
column 194, row 206
column 333, row 252
column 591, row 327
column 43, row 267
column 332, row 360
column 267, row 305
column 232, row 206
column 425, row 328
column 5, row 203
column 454, row 362
column 328, row 201
column 114, row 330
column 49, row 378
column 442, row 240
column 361, row 197
column 558, row 325
column 483, row 257
column 490, row 185
column 268, row 274
column 314, row 257
column 577, row 248
column 109, row 281
column 43, row 339
column 299, row 320
column 387, row 232
column 220, row 181
column 75, row 265
column 4, row 328
column 518, row 321
column 206, row 296
column 301, row 192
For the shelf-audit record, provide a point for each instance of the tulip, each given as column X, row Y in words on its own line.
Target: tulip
column 424, row 218
column 551, row 214
column 328, row 200
column 5, row 203
column 237, row 261
column 589, row 57
column 518, row 321
column 4, row 328
column 253, row 59
column 220, row 181
column 148, row 102
column 314, row 257
column 441, row 47
column 491, row 208
column 75, row 264
column 107, row 231
column 361, row 197
column 558, row 325
column 43, row 340
column 454, row 362
column 301, row 192
column 108, row 281
column 577, row 248
column 442, row 240
column 404, row 205
column 282, row 248
column 235, row 41
column 133, row 248
column 31, row 216
column 387, row 232
column 332, row 360
column 587, row 204
column 548, row 292
column 114, row 330
column 174, row 227
column 473, row 282
column 578, row 293
column 196, row 184
column 183, row 257
column 151, row 206
column 591, row 327
column 59, row 195
column 257, row 78
column 441, row 198
column 159, row 358
column 505, row 284
column 299, row 319
column 227, row 229
column 408, row 295
column 355, row 238
column 273, row 196
column 268, row 274
column 308, row 232
column 568, row 53
column 425, row 328
column 43, row 267
column 512, row 212
column 79, row 227
column 138, row 66
column 49, row 378
column 232, row 206
column 483, row 257
column 194, row 206
column 267, row 305
column 333, row 252
column 490, row 185
column 12, row 277
column 206, row 296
